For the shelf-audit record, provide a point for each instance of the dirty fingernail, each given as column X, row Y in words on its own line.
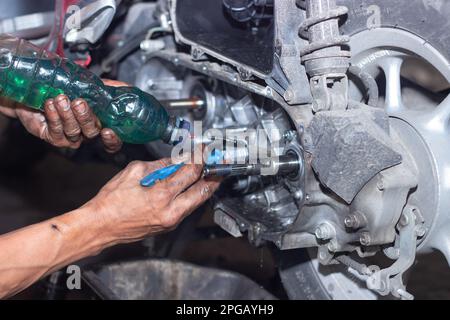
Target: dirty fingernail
column 51, row 105
column 63, row 103
column 107, row 132
column 80, row 107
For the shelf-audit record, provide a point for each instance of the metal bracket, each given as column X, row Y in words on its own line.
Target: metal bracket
column 390, row 280
column 329, row 92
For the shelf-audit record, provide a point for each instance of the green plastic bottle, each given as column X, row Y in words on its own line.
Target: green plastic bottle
column 31, row 75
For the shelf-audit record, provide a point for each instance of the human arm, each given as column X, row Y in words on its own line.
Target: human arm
column 122, row 212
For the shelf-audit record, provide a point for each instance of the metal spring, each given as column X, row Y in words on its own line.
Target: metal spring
column 307, row 53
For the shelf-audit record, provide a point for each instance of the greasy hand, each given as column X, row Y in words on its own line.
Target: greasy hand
column 63, row 123
column 131, row 212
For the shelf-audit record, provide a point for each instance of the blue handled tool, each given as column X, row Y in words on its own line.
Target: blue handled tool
column 215, row 157
column 160, row 174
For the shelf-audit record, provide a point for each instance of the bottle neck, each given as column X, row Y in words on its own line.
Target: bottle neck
column 177, row 130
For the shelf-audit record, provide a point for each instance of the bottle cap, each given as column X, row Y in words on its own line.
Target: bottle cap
column 177, row 130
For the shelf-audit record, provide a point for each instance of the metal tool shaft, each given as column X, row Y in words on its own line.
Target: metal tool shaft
column 284, row 165
column 183, row 104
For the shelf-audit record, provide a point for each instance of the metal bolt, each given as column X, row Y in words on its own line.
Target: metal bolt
column 244, row 74
column 298, row 195
column 289, row 135
column 325, row 231
column 350, row 221
column 404, row 220
column 355, row 221
column 332, row 246
column 420, row 231
column 380, row 184
column 196, row 53
column 322, row 255
column 365, row 239
column 288, row 95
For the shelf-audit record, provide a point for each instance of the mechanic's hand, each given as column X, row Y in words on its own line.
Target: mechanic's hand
column 63, row 123
column 131, row 212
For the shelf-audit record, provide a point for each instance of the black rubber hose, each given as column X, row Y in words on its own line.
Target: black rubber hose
column 370, row 84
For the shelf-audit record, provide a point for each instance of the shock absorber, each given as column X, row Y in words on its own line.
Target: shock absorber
column 325, row 57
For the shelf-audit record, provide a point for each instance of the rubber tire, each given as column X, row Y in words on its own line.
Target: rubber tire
column 429, row 21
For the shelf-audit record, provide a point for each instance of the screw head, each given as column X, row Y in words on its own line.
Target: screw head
column 289, row 135
column 288, row 95
column 325, row 231
column 365, row 239
column 322, row 255
column 298, row 195
column 420, row 231
column 380, row 185
column 332, row 246
column 355, row 220
column 350, row 221
column 404, row 220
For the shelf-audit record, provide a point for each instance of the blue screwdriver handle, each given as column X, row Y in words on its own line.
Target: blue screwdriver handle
column 160, row 174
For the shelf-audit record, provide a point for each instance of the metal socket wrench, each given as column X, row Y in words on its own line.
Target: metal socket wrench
column 283, row 165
